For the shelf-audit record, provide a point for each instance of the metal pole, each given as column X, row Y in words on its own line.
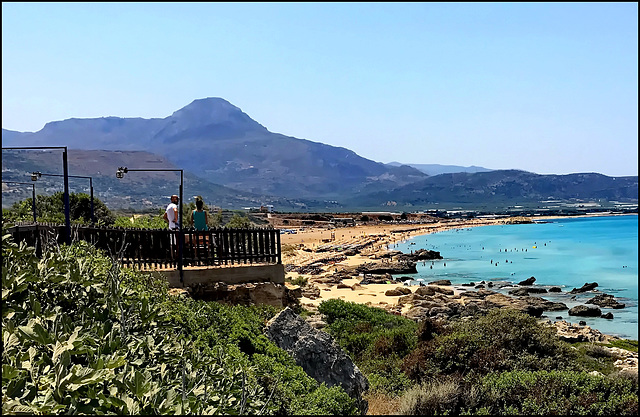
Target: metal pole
column 93, row 217
column 33, row 202
column 67, row 218
column 181, row 232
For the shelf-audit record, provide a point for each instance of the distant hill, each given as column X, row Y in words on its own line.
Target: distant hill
column 234, row 162
column 138, row 190
column 217, row 141
column 437, row 169
column 502, row 187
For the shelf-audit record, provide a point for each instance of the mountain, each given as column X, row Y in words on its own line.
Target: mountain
column 436, row 169
column 138, row 189
column 503, row 187
column 218, row 142
column 234, row 161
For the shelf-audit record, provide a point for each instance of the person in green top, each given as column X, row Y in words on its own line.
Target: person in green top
column 199, row 217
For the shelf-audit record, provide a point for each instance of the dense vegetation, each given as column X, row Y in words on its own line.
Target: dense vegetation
column 503, row 362
column 50, row 209
column 82, row 335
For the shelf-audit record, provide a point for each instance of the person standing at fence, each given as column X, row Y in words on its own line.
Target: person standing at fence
column 171, row 213
column 199, row 217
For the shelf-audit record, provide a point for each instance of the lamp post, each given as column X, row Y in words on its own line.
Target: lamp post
column 120, row 174
column 36, row 174
column 33, row 197
column 65, row 170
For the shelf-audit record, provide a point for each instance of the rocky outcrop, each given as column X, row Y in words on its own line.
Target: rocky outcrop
column 528, row 281
column 585, row 311
column 398, row 291
column 573, row 333
column 268, row 293
column 406, row 267
column 377, row 279
column 317, row 353
column 605, row 301
column 586, row 287
column 310, row 291
column 420, row 255
column 440, row 282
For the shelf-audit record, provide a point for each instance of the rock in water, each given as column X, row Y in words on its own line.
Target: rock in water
column 527, row 281
column 585, row 311
column 317, row 353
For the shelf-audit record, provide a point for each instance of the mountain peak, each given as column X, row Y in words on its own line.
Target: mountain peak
column 213, row 111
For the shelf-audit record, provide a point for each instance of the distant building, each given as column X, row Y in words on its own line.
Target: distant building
column 343, row 221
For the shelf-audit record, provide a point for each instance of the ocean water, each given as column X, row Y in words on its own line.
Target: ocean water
column 564, row 252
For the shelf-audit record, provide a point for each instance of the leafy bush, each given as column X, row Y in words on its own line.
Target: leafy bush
column 500, row 340
column 362, row 330
column 431, row 398
column 83, row 336
column 142, row 221
column 558, row 392
column 51, row 209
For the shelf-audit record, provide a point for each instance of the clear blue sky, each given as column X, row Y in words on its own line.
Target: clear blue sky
column 544, row 87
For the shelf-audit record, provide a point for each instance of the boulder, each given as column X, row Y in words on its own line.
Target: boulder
column 605, row 301
column 442, row 290
column 317, row 353
column 585, row 311
column 410, row 299
column 536, row 290
column 428, row 290
column 420, row 255
column 544, row 304
column 555, row 289
column 519, row 292
column 608, row 316
column 407, row 267
column 440, row 282
column 586, row 287
column 527, row 281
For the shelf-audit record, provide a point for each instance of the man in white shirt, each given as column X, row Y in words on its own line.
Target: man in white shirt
column 171, row 213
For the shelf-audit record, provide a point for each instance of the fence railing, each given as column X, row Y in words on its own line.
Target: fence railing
column 159, row 248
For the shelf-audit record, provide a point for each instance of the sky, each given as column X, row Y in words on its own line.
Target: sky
column 550, row 88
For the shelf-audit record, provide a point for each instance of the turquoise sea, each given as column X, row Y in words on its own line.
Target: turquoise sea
column 564, row 252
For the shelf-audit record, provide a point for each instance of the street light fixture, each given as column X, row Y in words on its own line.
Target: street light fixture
column 33, row 197
column 120, row 174
column 65, row 170
column 36, row 175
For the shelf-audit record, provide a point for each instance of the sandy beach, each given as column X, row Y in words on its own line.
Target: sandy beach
column 301, row 249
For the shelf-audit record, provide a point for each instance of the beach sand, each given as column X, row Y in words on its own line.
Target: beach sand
column 383, row 235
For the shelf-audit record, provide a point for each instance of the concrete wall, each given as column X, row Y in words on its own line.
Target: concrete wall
column 229, row 275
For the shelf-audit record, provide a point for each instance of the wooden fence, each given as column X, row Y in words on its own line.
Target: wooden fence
column 159, row 248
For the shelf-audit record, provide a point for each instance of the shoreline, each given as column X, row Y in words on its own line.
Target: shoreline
column 302, row 248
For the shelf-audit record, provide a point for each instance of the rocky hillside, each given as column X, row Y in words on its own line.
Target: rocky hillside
column 507, row 187
column 216, row 141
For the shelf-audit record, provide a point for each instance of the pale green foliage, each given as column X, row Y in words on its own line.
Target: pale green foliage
column 239, row 222
column 81, row 336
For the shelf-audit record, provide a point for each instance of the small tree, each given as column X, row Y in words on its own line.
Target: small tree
column 239, row 222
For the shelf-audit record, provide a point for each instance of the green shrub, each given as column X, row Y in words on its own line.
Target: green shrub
column 364, row 331
column 437, row 397
column 628, row 344
column 325, row 401
column 558, row 392
column 300, row 281
column 83, row 336
column 500, row 340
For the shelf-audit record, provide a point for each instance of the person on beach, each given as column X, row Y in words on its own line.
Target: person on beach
column 199, row 217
